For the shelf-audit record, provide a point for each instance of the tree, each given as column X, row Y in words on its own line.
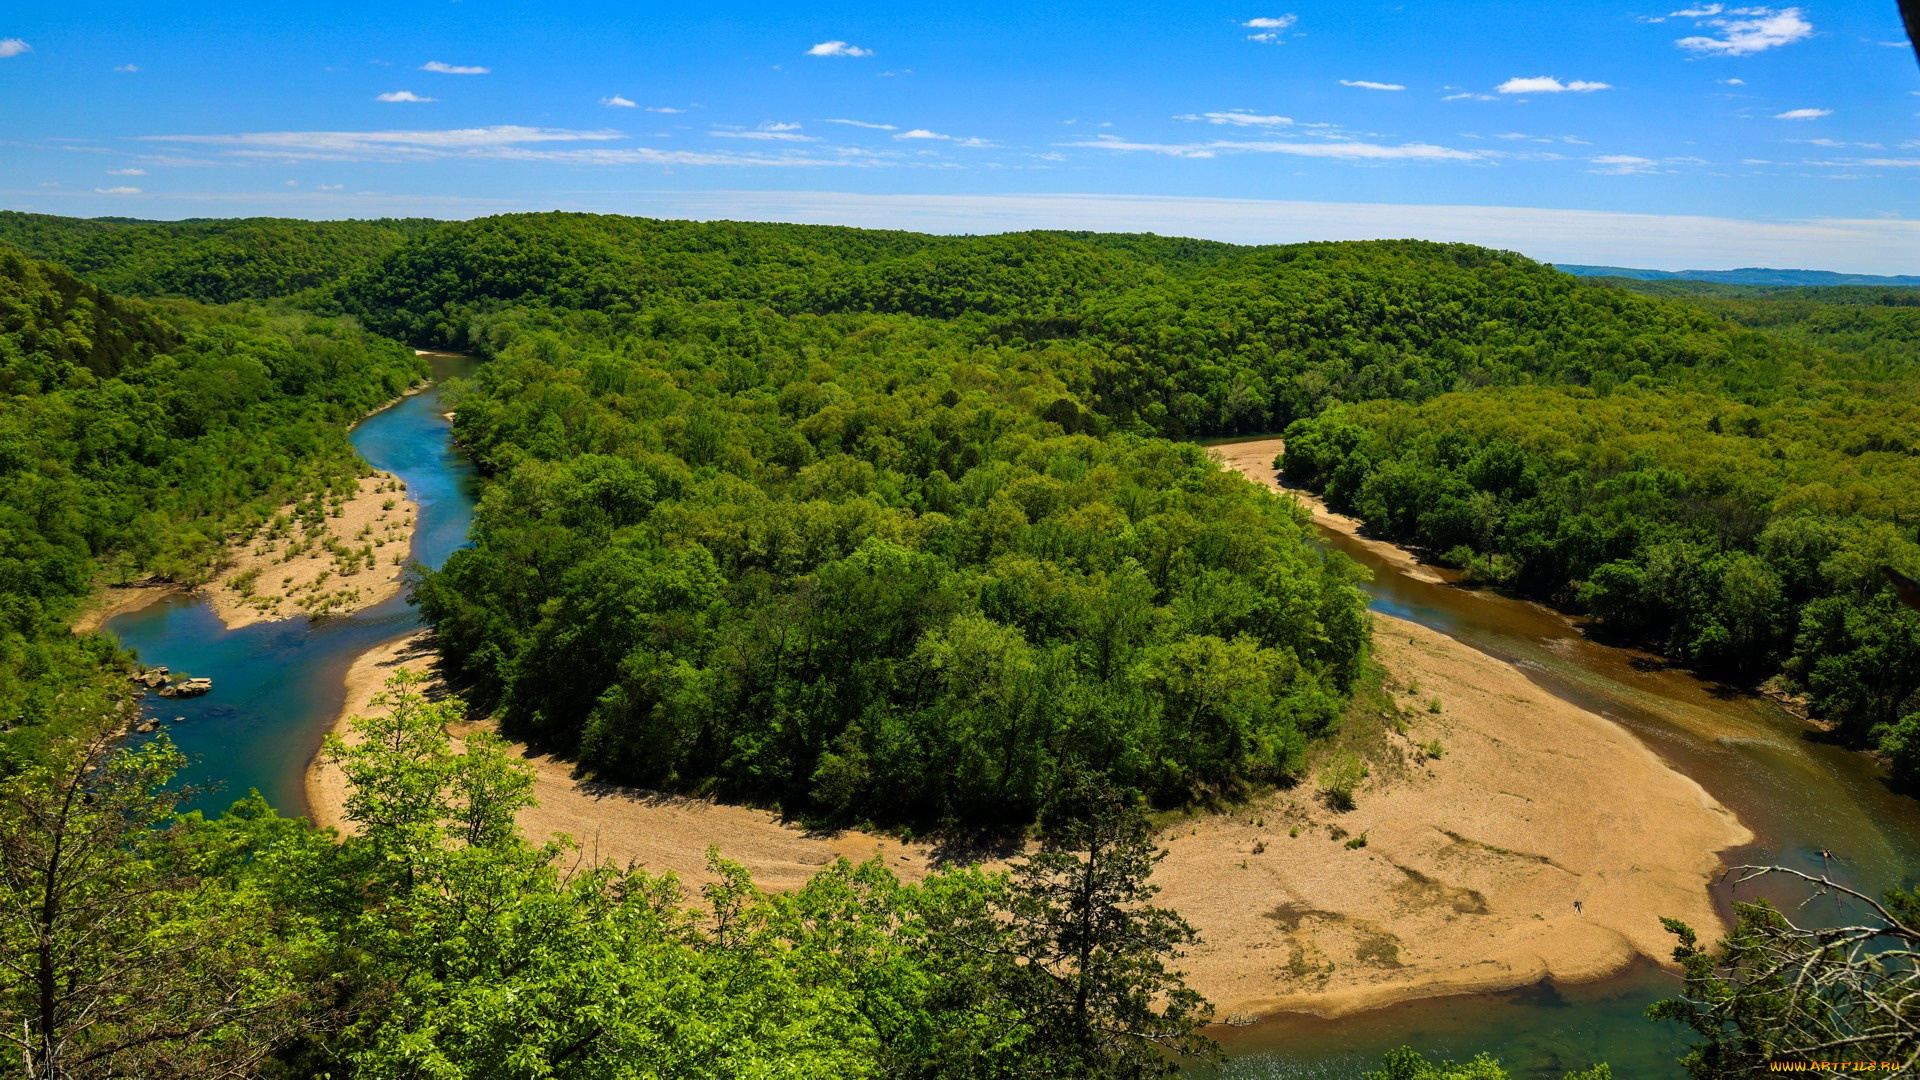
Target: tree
column 1089, row 972
column 119, row 955
column 1773, row 990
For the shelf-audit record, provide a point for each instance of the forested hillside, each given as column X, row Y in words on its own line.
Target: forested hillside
column 134, row 437
column 1736, row 518
column 215, row 262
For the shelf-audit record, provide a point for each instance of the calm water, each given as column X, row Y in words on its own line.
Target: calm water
column 277, row 686
column 1797, row 795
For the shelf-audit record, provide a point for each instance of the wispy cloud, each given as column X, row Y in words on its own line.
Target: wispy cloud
column 1732, row 82
column 500, row 143
column 403, row 95
column 935, row 136
column 1547, row 84
column 126, row 172
column 1269, row 27
column 1803, row 114
column 1367, row 84
column 1743, row 31
column 667, row 109
column 328, row 187
column 861, row 124
column 618, row 102
column 127, row 69
column 454, row 69
column 13, row 46
column 116, row 190
column 1238, row 118
column 838, row 48
column 1468, row 95
column 1623, row 164
column 380, row 145
column 1338, row 151
column 768, row 132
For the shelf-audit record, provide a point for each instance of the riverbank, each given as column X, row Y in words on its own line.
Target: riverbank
column 1473, row 863
column 1254, row 459
column 624, row 825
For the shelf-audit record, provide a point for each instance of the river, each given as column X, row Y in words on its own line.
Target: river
column 278, row 686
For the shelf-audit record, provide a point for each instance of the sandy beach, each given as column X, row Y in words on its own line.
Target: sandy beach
column 1468, row 880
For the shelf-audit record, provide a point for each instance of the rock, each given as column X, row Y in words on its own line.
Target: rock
column 155, row 679
column 146, row 727
column 167, row 691
column 179, row 719
column 193, row 688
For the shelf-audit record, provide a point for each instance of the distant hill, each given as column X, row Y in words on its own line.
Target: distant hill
column 1746, row 275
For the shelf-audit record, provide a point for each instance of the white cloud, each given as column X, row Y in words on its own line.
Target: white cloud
column 1756, row 29
column 328, row 187
column 1365, row 84
column 768, row 132
column 13, row 46
column 667, row 109
column 127, row 69
column 381, row 145
column 1547, row 84
column 838, row 48
column 1339, row 151
column 403, row 95
column 1803, row 114
column 1467, row 95
column 1277, row 22
column 618, row 102
column 861, row 124
column 1239, row 118
column 921, row 133
column 126, row 172
column 1732, row 82
column 116, row 191
column 454, row 69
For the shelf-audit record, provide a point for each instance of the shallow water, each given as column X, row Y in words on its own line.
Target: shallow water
column 1798, row 795
column 279, row 685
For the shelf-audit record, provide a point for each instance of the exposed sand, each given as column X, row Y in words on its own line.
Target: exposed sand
column 319, row 558
column 1255, row 460
column 626, row 825
column 1473, row 862
column 1467, row 881
column 115, row 600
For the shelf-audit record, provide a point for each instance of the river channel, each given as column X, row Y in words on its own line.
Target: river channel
column 279, row 686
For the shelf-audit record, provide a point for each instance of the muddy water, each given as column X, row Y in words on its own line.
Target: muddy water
column 1799, row 796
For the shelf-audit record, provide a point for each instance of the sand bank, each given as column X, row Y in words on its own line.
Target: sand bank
column 626, row 825
column 1468, row 880
column 1255, row 460
column 326, row 558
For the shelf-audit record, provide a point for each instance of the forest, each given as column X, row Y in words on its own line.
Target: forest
column 135, row 438
column 876, row 528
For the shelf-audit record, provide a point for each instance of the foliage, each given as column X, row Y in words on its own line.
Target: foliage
column 1409, row 1064
column 214, row 262
column 124, row 951
column 1738, row 529
column 1772, row 990
column 436, row 940
column 134, row 438
column 849, row 565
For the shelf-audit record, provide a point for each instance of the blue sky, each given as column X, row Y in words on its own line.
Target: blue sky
column 1659, row 134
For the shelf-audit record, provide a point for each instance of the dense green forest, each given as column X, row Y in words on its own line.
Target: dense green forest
column 213, row 261
column 876, row 527
column 135, row 437
column 1732, row 519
